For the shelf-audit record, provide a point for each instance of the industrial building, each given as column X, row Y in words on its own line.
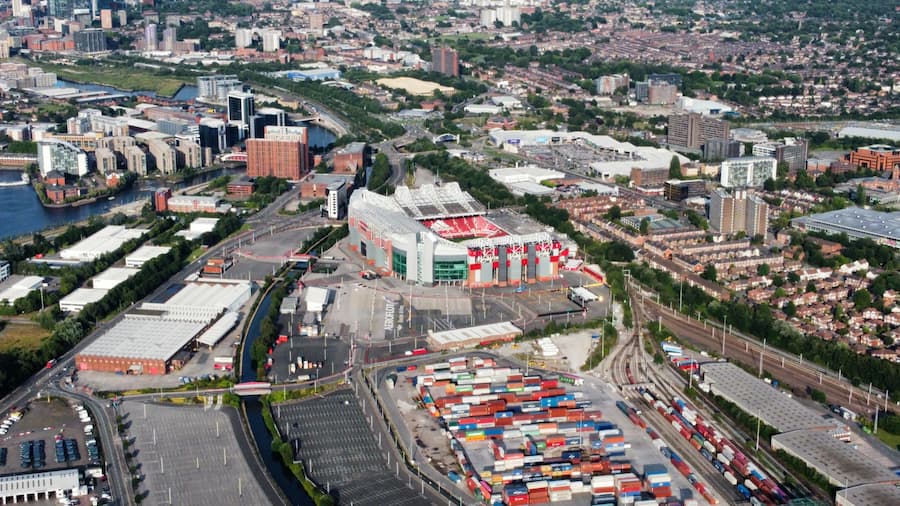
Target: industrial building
column 38, row 486
column 409, row 235
column 856, row 222
column 112, row 277
column 626, row 156
column 869, row 495
column 760, row 399
column 838, row 461
column 105, row 240
column 81, row 297
column 145, row 253
column 747, row 171
column 158, row 338
column 20, row 288
column 197, row 228
column 196, row 204
column 457, row 339
column 526, row 180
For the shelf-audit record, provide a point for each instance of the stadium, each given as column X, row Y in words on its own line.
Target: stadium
column 441, row 234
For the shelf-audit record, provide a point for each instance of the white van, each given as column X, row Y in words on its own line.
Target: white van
column 88, row 429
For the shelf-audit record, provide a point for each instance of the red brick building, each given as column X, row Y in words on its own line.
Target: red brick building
column 161, row 199
column 241, row 188
column 282, row 158
column 878, row 157
column 58, row 194
column 55, row 178
column 350, row 159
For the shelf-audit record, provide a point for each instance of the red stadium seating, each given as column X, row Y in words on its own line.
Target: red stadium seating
column 460, row 228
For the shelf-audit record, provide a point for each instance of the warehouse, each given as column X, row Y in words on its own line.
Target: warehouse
column 197, row 228
column 106, row 240
column 144, row 342
column 37, row 486
column 112, row 277
column 839, row 462
column 16, row 289
column 75, row 301
column 857, row 223
column 218, row 294
column 472, row 336
column 869, row 495
column 144, row 254
column 758, row 398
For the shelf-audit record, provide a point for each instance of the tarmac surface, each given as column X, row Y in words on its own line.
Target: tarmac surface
column 333, row 439
column 192, row 455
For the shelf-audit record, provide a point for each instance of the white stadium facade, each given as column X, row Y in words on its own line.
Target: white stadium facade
column 440, row 234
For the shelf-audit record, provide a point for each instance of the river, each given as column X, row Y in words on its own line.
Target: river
column 186, row 92
column 279, row 473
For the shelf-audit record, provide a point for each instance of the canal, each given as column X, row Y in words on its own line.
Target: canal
column 253, row 407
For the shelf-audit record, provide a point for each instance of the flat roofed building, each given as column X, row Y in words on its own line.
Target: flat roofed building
column 839, row 462
column 350, row 159
column 877, row 157
column 20, row 288
column 869, row 495
column 112, row 277
column 857, row 223
column 747, row 171
column 105, row 240
column 472, row 336
column 140, row 256
column 38, row 485
column 5, row 270
column 75, row 301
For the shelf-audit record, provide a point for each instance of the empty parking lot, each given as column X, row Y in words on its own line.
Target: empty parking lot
column 339, row 450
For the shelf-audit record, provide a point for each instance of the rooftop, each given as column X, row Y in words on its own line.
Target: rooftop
column 448, row 338
column 760, row 399
column 218, row 294
column 83, row 296
column 145, row 337
column 146, row 252
column 16, row 287
column 869, row 495
column 838, row 461
column 105, row 240
column 857, row 222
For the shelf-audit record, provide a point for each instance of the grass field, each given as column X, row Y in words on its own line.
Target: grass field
column 470, row 36
column 126, row 79
column 18, row 335
column 892, row 440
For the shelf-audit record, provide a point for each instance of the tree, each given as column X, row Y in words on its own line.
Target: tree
column 860, row 195
column 645, row 226
column 862, row 299
column 810, row 287
column 793, row 277
column 709, row 273
column 614, row 213
column 763, row 269
column 675, row 167
column 790, row 309
column 69, row 331
column 782, row 170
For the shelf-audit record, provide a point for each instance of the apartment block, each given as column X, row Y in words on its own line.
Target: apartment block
column 693, row 130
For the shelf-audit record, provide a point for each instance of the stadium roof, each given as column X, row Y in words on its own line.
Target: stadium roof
column 430, row 201
column 144, row 337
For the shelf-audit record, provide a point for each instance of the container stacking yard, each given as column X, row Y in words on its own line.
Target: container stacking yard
column 525, row 439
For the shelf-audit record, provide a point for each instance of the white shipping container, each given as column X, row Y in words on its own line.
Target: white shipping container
column 730, row 478
column 723, row 459
column 749, row 484
column 711, row 448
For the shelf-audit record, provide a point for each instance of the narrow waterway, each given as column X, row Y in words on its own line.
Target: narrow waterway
column 278, row 471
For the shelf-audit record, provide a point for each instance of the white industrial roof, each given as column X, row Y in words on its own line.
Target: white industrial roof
column 218, row 294
column 838, row 461
column 21, row 288
column 530, row 188
column 316, row 298
column 38, row 483
column 584, row 294
column 81, row 297
column 758, row 398
column 528, row 173
column 871, row 133
column 448, row 338
column 113, row 276
column 146, row 253
column 217, row 330
column 869, row 495
column 144, row 337
column 105, row 240
column 204, row 224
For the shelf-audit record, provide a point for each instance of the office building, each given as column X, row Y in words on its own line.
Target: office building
column 150, row 40
column 791, row 151
column 5, row 270
column 747, row 171
column 243, row 37
column 649, row 178
column 273, row 116
column 90, row 40
column 878, row 157
column 692, row 130
column 215, row 88
column 271, row 40
column 136, row 160
column 106, row 160
column 607, row 85
column 720, row 149
column 106, row 19
column 445, row 61
column 682, row 189
column 241, row 107
column 350, row 159
column 170, row 38
column 336, row 200
column 738, row 212
column 212, row 135
column 279, row 154
column 60, row 9
column 61, row 156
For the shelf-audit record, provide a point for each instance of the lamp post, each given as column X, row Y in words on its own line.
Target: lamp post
column 42, row 295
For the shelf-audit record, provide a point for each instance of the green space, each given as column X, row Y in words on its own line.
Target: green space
column 24, row 336
column 610, row 337
column 130, row 79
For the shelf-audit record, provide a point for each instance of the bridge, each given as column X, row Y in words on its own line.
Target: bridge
column 235, row 157
column 251, row 388
column 446, row 138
